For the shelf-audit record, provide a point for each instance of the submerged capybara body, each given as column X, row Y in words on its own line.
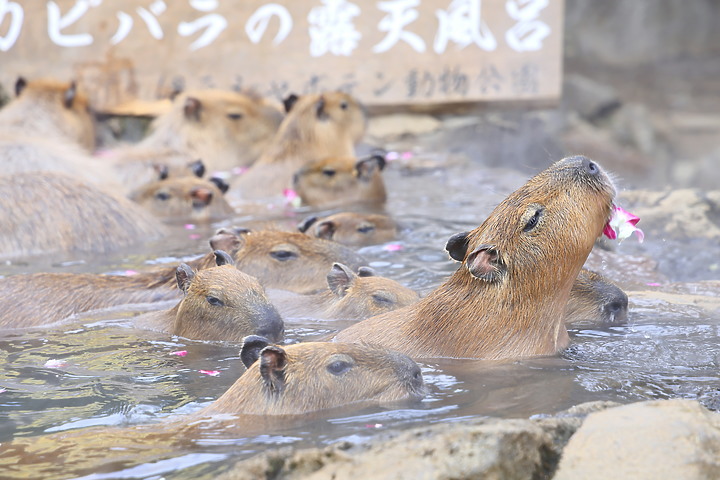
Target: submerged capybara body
column 50, row 110
column 341, row 181
column 47, row 213
column 317, row 126
column 351, row 228
column 225, row 129
column 595, row 300
column 509, row 295
column 349, row 296
column 282, row 385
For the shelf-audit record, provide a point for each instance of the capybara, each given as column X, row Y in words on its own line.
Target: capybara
column 340, row 181
column 509, row 295
column 317, row 126
column 595, row 300
column 187, row 198
column 219, row 303
column 349, row 296
column 351, row 228
column 146, row 165
column 282, row 386
column 48, row 212
column 51, row 110
column 225, row 129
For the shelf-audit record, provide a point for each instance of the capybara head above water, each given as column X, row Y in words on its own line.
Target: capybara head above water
column 351, row 228
column 508, row 297
column 363, row 295
column 336, row 181
column 313, row 376
column 284, row 260
column 49, row 108
column 595, row 300
column 185, row 197
column 223, row 303
column 225, row 128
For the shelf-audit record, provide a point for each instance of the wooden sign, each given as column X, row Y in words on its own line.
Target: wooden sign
column 384, row 52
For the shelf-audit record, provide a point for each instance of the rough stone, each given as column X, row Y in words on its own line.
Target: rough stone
column 389, row 126
column 591, row 99
column 648, row 440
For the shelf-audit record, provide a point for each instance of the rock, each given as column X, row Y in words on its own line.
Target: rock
column 592, row 100
column 648, row 440
column 632, row 125
column 390, row 126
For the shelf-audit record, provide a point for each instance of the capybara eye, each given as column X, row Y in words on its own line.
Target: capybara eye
column 162, row 196
column 532, row 223
column 214, row 301
column 234, row 116
column 344, row 105
column 366, row 228
column 283, row 255
column 339, row 367
column 381, row 299
column 328, row 172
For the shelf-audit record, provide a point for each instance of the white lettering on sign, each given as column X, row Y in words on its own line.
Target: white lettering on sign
column 16, row 22
column 400, row 13
column 462, row 24
column 528, row 34
column 258, row 23
column 331, row 28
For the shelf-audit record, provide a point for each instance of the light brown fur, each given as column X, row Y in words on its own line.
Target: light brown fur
column 317, row 126
column 186, row 197
column 50, row 109
column 351, row 228
column 48, row 213
column 508, row 297
column 341, row 181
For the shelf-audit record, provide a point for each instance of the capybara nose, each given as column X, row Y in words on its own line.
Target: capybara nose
column 590, row 167
column 271, row 325
column 617, row 310
column 410, row 372
column 203, row 194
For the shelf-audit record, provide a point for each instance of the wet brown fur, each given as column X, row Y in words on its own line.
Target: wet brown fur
column 353, row 182
column 41, row 110
column 305, row 136
column 185, row 197
column 47, row 213
column 513, row 304
column 595, row 300
column 354, row 229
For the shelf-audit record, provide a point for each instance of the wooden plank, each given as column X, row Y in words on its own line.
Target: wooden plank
column 386, row 53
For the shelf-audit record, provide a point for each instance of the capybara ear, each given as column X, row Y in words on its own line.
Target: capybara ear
column 289, row 102
column 192, row 108
column 69, row 96
column 325, row 229
column 307, row 223
column 251, row 347
column 272, row 368
column 366, row 272
column 184, row 275
column 20, row 85
column 320, row 108
column 367, row 166
column 226, row 240
column 485, row 263
column 457, row 246
column 221, row 184
column 222, row 258
column 340, row 279
column 197, row 168
column 162, row 171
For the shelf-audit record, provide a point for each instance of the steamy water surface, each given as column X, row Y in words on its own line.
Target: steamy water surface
column 98, row 371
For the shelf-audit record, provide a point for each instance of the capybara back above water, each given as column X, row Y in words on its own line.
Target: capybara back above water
column 508, row 297
column 47, row 213
column 52, row 110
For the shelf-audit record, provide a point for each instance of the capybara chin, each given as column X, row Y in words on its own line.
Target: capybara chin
column 595, row 300
column 52, row 110
column 508, row 297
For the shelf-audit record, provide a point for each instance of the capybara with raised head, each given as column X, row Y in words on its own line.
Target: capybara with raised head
column 47, row 213
column 283, row 385
column 349, row 296
column 595, row 300
column 341, row 181
column 351, row 228
column 509, row 295
column 219, row 303
column 52, row 110
column 225, row 129
column 187, row 198
column 317, row 126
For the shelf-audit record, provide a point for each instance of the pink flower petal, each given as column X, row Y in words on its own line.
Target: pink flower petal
column 55, row 363
column 373, row 425
column 3, row 390
column 406, row 155
column 393, row 247
column 239, row 170
column 390, row 156
column 622, row 225
column 652, row 284
column 189, row 226
column 194, row 236
column 212, row 373
column 179, row 353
